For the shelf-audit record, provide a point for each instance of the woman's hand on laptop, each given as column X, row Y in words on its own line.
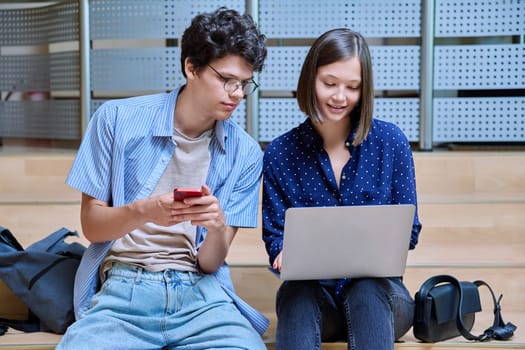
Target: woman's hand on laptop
column 277, row 262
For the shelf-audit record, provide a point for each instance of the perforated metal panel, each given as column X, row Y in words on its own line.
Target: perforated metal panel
column 62, row 22
column 479, row 67
column 404, row 112
column 64, row 70
column 282, row 68
column 278, row 115
column 141, row 19
column 136, row 69
column 479, row 119
column 310, row 18
column 479, row 18
column 49, row 24
column 56, row 119
column 24, row 73
column 41, row 25
column 461, row 67
column 40, row 72
column 395, row 67
column 239, row 115
column 23, row 27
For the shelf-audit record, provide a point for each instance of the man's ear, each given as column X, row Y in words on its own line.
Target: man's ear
column 190, row 69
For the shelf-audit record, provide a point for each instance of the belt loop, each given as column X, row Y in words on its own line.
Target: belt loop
column 139, row 275
column 192, row 277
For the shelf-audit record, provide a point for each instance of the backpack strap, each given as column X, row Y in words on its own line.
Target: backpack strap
column 32, row 324
column 50, row 243
column 21, row 325
column 7, row 238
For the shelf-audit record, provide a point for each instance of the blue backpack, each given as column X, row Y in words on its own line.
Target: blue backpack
column 42, row 276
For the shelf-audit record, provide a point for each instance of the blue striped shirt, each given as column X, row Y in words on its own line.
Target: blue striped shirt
column 127, row 146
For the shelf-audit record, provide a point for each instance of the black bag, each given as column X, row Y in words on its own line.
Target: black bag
column 438, row 316
column 42, row 276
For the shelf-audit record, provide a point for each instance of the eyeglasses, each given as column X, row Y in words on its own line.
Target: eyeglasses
column 231, row 84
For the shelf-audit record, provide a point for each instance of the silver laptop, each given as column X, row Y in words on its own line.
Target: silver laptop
column 346, row 241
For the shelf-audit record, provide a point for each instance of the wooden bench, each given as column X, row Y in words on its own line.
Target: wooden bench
column 471, row 207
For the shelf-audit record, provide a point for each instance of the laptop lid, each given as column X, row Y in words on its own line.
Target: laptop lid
column 346, row 241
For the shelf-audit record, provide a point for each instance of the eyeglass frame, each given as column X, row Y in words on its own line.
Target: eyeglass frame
column 238, row 83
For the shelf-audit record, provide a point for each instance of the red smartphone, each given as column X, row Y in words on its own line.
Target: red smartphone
column 181, row 193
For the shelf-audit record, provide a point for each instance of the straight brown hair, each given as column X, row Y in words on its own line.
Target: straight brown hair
column 332, row 46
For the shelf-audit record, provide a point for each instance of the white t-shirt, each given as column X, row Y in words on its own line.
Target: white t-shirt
column 158, row 248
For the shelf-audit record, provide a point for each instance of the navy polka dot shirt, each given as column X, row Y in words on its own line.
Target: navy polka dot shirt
column 297, row 173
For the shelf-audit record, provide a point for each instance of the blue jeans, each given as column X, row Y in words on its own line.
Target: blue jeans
column 136, row 309
column 371, row 313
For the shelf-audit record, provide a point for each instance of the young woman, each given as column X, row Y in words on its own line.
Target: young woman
column 339, row 156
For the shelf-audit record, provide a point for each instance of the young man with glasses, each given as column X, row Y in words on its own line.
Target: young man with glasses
column 154, row 276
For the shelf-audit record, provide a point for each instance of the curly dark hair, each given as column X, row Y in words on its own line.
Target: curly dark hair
column 222, row 33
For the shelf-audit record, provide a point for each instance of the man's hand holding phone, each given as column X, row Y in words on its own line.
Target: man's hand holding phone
column 198, row 206
column 179, row 194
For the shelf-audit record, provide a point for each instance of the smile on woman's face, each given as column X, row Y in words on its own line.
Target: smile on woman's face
column 338, row 88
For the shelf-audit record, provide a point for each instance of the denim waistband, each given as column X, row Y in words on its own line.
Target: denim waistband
column 139, row 273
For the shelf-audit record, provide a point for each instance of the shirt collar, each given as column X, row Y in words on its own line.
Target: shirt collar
column 311, row 137
column 220, row 133
column 165, row 125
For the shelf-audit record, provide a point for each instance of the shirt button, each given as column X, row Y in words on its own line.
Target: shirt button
column 343, row 177
column 347, row 144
